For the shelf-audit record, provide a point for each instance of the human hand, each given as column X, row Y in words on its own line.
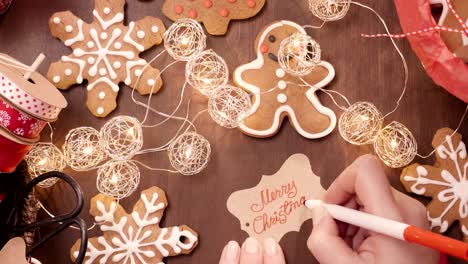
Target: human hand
column 252, row 252
column 365, row 186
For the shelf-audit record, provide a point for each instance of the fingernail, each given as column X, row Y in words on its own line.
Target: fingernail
column 317, row 214
column 251, row 245
column 232, row 250
column 271, row 247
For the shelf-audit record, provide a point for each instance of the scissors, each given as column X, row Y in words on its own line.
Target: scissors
column 13, row 226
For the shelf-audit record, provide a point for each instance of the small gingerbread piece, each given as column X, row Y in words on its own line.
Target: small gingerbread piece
column 291, row 98
column 457, row 43
column 105, row 53
column 214, row 14
column 136, row 237
column 446, row 182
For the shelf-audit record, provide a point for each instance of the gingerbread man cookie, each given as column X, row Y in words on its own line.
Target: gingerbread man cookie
column 135, row 238
column 105, row 53
column 299, row 103
column 446, row 182
column 457, row 43
column 214, row 14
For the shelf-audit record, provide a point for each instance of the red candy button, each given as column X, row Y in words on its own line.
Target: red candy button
column 264, row 48
column 178, row 9
column 193, row 13
column 251, row 3
column 208, row 3
column 224, row 12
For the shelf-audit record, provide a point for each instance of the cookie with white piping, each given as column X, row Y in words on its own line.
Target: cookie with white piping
column 105, row 53
column 214, row 14
column 135, row 237
column 445, row 182
column 291, row 99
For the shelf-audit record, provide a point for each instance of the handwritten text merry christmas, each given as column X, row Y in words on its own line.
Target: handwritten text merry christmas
column 275, row 205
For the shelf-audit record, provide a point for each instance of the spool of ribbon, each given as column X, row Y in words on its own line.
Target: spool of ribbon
column 19, row 123
column 13, row 149
column 27, row 102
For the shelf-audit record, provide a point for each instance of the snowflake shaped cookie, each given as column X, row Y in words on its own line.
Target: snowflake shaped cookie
column 136, row 237
column 446, row 182
column 105, row 53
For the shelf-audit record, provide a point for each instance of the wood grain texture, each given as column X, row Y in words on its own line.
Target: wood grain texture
column 367, row 69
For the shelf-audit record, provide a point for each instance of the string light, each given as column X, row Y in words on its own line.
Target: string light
column 206, row 72
column 82, row 149
column 299, row 54
column 360, row 123
column 189, row 153
column 184, row 39
column 43, row 158
column 122, row 137
column 229, row 106
column 396, row 145
column 329, row 10
column 118, row 179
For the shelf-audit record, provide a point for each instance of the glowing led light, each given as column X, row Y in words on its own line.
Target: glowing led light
column 360, row 123
column 396, row 145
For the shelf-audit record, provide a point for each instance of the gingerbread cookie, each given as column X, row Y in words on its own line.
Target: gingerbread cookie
column 446, row 182
column 457, row 43
column 214, row 14
column 105, row 53
column 299, row 103
column 136, row 237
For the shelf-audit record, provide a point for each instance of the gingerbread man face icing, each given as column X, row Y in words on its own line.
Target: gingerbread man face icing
column 299, row 103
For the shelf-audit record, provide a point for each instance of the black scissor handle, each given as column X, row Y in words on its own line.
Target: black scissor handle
column 63, row 221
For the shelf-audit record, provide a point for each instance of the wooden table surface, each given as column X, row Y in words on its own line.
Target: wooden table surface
column 367, row 70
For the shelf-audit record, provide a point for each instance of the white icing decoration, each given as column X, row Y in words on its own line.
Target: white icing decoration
column 129, row 40
column 129, row 67
column 56, row 79
column 445, row 10
column 57, row 20
column 140, row 34
column 102, row 95
column 131, row 245
column 102, row 71
column 310, row 94
column 282, row 85
column 106, row 10
column 106, row 24
column 100, row 110
column 81, row 65
column 103, row 52
column 114, row 86
column 154, row 29
column 138, row 72
column 79, row 36
column 280, row 73
column 455, row 186
column 151, row 82
column 282, row 98
column 464, row 36
column 103, row 36
column 69, row 28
